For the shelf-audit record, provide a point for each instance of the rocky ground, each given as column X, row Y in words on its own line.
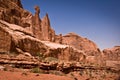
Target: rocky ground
column 6, row 75
column 20, row 67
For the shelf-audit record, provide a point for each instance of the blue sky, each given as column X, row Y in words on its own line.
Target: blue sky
column 97, row 20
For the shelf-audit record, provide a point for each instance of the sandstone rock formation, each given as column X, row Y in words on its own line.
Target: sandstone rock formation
column 47, row 31
column 72, row 39
column 32, row 29
column 36, row 24
column 13, row 12
column 24, row 29
column 21, row 39
column 28, row 41
column 112, row 53
column 5, row 40
column 112, row 56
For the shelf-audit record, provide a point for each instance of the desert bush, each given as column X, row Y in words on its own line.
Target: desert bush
column 40, row 55
column 13, row 54
column 36, row 70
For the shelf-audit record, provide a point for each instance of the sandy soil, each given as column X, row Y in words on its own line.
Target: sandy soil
column 5, row 75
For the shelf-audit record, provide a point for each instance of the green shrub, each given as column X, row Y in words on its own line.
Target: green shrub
column 36, row 70
column 40, row 56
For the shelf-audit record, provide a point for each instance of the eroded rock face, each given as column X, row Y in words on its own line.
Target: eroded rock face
column 47, row 31
column 17, row 2
column 19, row 40
column 68, row 54
column 112, row 57
column 72, row 39
column 5, row 41
column 22, row 32
column 12, row 11
column 41, row 28
column 36, row 24
column 112, row 53
column 7, row 4
column 32, row 27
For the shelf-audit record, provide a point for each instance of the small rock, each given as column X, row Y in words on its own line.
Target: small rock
column 37, row 75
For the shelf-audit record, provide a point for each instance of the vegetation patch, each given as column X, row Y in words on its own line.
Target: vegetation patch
column 36, row 70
